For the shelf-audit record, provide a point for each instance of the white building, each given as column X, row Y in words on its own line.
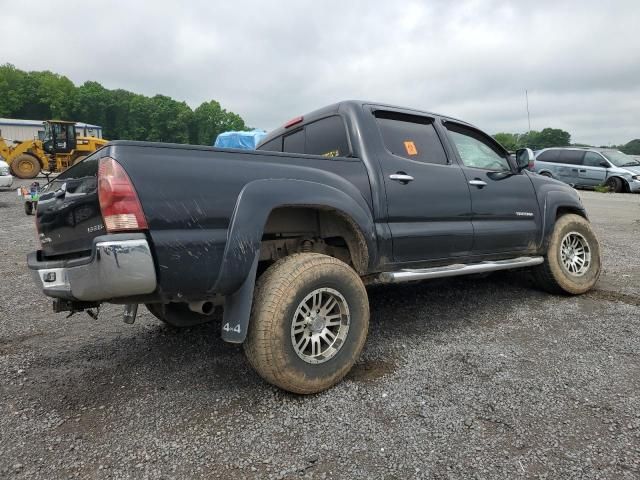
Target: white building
column 19, row 130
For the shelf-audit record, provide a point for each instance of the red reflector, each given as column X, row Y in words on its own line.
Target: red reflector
column 121, row 209
column 293, row 121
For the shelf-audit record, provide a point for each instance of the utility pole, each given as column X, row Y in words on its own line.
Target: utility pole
column 526, row 96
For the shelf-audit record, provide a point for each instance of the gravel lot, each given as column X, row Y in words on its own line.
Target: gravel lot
column 460, row 378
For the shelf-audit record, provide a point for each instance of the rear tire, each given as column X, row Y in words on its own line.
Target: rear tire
column 572, row 263
column 178, row 315
column 615, row 184
column 295, row 348
column 25, row 166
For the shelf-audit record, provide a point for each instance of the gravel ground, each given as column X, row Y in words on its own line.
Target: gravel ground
column 461, row 378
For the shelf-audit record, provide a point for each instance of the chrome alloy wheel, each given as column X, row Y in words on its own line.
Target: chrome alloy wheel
column 320, row 325
column 575, row 254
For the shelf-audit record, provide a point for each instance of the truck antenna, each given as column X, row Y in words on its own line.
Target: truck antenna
column 526, row 96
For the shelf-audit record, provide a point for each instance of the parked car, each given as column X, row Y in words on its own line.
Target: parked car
column 590, row 167
column 6, row 179
column 286, row 237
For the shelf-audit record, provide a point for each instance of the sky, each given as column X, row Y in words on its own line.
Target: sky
column 271, row 61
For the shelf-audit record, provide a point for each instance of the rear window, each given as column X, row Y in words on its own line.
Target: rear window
column 572, row 157
column 410, row 136
column 326, row 137
column 294, row 142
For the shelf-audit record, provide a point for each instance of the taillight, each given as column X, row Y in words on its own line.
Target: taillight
column 121, row 209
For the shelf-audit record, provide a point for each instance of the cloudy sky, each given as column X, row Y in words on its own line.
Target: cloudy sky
column 270, row 61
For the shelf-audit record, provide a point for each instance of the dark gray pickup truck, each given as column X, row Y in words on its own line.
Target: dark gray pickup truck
column 285, row 238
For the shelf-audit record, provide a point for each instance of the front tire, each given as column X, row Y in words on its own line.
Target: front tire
column 615, row 184
column 25, row 166
column 309, row 322
column 572, row 263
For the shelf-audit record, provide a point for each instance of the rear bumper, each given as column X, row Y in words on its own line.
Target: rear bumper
column 120, row 265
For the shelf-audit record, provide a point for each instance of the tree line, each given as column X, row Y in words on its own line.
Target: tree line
column 122, row 114
column 553, row 137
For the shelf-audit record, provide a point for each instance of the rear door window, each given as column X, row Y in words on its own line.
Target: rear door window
column 571, row 157
column 550, row 156
column 410, row 136
column 294, row 142
column 274, row 145
column 327, row 137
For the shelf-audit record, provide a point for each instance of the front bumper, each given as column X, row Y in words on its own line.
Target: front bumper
column 634, row 186
column 120, row 265
column 6, row 181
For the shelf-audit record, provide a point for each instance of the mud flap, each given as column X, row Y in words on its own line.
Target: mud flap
column 237, row 307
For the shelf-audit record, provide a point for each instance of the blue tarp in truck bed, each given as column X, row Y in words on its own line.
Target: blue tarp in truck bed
column 243, row 140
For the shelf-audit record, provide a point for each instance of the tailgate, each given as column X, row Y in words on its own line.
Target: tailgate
column 68, row 214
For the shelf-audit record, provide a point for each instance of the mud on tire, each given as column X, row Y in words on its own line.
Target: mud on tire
column 283, row 343
column 572, row 263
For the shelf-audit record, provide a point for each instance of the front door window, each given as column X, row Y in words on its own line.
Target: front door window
column 475, row 152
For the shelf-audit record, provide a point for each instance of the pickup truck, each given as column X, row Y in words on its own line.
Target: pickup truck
column 284, row 239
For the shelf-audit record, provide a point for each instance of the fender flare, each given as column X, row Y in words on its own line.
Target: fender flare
column 256, row 202
column 555, row 200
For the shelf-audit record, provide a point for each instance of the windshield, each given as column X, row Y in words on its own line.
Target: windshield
column 619, row 159
column 47, row 132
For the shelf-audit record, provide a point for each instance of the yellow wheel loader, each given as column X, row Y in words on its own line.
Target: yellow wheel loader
column 58, row 151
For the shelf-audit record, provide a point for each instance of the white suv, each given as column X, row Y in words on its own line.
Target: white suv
column 6, row 180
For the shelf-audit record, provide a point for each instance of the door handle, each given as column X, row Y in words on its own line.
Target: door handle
column 476, row 182
column 401, row 177
column 582, row 171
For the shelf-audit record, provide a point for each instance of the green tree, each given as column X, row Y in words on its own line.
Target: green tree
column 548, row 137
column 210, row 120
column 11, row 93
column 169, row 120
column 632, row 147
column 510, row 141
column 551, row 137
column 90, row 105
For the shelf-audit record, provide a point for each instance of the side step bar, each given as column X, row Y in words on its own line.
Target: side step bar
column 410, row 274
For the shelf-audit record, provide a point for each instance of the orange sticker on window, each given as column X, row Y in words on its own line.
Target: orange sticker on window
column 410, row 147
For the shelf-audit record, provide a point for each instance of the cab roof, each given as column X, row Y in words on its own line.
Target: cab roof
column 335, row 108
column 66, row 122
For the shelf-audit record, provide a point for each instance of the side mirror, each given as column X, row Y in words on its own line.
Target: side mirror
column 524, row 158
column 604, row 164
